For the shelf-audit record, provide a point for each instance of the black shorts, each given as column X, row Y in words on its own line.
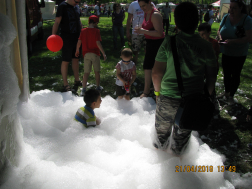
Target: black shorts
column 69, row 46
column 120, row 91
column 152, row 46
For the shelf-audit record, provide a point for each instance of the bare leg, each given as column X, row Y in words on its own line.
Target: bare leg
column 64, row 70
column 75, row 67
column 119, row 97
column 127, row 97
column 147, row 79
column 85, row 78
column 97, row 78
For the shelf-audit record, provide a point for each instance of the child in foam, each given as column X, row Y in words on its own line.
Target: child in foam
column 126, row 74
column 86, row 114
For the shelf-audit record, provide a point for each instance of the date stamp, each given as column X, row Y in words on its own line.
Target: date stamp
column 203, row 168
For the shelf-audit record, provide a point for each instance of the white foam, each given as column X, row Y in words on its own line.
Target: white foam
column 118, row 154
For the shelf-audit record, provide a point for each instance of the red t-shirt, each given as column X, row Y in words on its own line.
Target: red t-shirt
column 216, row 47
column 88, row 38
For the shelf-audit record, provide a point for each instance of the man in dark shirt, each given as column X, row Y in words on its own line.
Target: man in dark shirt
column 68, row 19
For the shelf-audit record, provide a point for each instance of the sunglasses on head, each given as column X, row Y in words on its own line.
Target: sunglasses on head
column 126, row 61
column 77, row 1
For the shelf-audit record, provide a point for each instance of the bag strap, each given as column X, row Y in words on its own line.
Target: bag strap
column 177, row 64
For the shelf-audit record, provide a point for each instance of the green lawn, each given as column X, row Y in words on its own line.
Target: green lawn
column 229, row 134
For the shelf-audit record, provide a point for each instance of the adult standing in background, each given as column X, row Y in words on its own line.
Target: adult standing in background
column 109, row 11
column 152, row 28
column 97, row 9
column 211, row 14
column 68, row 19
column 135, row 18
column 235, row 49
column 118, row 17
column 166, row 17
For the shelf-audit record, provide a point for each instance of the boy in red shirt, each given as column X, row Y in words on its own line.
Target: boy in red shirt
column 204, row 30
column 90, row 39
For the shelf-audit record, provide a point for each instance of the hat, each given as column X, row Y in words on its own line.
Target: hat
column 94, row 18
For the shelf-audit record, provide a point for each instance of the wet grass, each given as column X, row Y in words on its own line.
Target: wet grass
column 229, row 134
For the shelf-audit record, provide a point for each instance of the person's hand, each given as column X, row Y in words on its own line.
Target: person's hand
column 248, row 119
column 128, row 35
column 98, row 121
column 105, row 57
column 138, row 30
column 157, row 98
column 124, row 83
column 229, row 41
column 77, row 53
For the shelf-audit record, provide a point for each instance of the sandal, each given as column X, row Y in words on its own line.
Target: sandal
column 66, row 88
column 77, row 83
column 144, row 95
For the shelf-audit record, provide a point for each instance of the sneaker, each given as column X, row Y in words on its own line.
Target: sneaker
column 99, row 88
column 83, row 91
column 222, row 95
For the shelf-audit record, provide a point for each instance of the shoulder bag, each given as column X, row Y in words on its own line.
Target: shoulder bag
column 195, row 111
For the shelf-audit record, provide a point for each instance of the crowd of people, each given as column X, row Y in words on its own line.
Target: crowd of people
column 197, row 52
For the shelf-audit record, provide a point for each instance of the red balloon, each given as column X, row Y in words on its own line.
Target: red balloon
column 54, row 43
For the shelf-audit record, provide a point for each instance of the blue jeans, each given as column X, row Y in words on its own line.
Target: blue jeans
column 117, row 29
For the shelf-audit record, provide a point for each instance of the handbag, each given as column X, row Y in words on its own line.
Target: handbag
column 240, row 31
column 195, row 111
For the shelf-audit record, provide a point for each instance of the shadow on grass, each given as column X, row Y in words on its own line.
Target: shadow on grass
column 225, row 136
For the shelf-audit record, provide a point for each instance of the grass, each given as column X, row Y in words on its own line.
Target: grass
column 229, row 134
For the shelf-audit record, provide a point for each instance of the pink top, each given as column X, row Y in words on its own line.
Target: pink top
column 147, row 25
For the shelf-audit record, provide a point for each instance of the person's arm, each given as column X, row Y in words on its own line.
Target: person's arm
column 56, row 25
column 118, row 75
column 123, row 15
column 77, row 53
column 101, row 49
column 129, row 21
column 133, row 77
column 113, row 17
column 98, row 121
column 246, row 39
column 210, row 78
column 157, row 21
column 158, row 72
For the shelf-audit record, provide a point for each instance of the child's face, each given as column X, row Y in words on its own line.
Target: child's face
column 98, row 102
column 204, row 34
column 126, row 60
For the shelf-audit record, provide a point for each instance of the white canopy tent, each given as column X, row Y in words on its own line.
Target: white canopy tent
column 172, row 5
column 224, row 6
column 216, row 4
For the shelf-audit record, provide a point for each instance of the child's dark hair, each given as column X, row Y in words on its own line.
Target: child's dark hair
column 91, row 21
column 127, row 52
column 186, row 17
column 91, row 96
column 204, row 27
column 146, row 1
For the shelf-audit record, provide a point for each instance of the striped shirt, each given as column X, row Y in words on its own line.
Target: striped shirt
column 86, row 116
